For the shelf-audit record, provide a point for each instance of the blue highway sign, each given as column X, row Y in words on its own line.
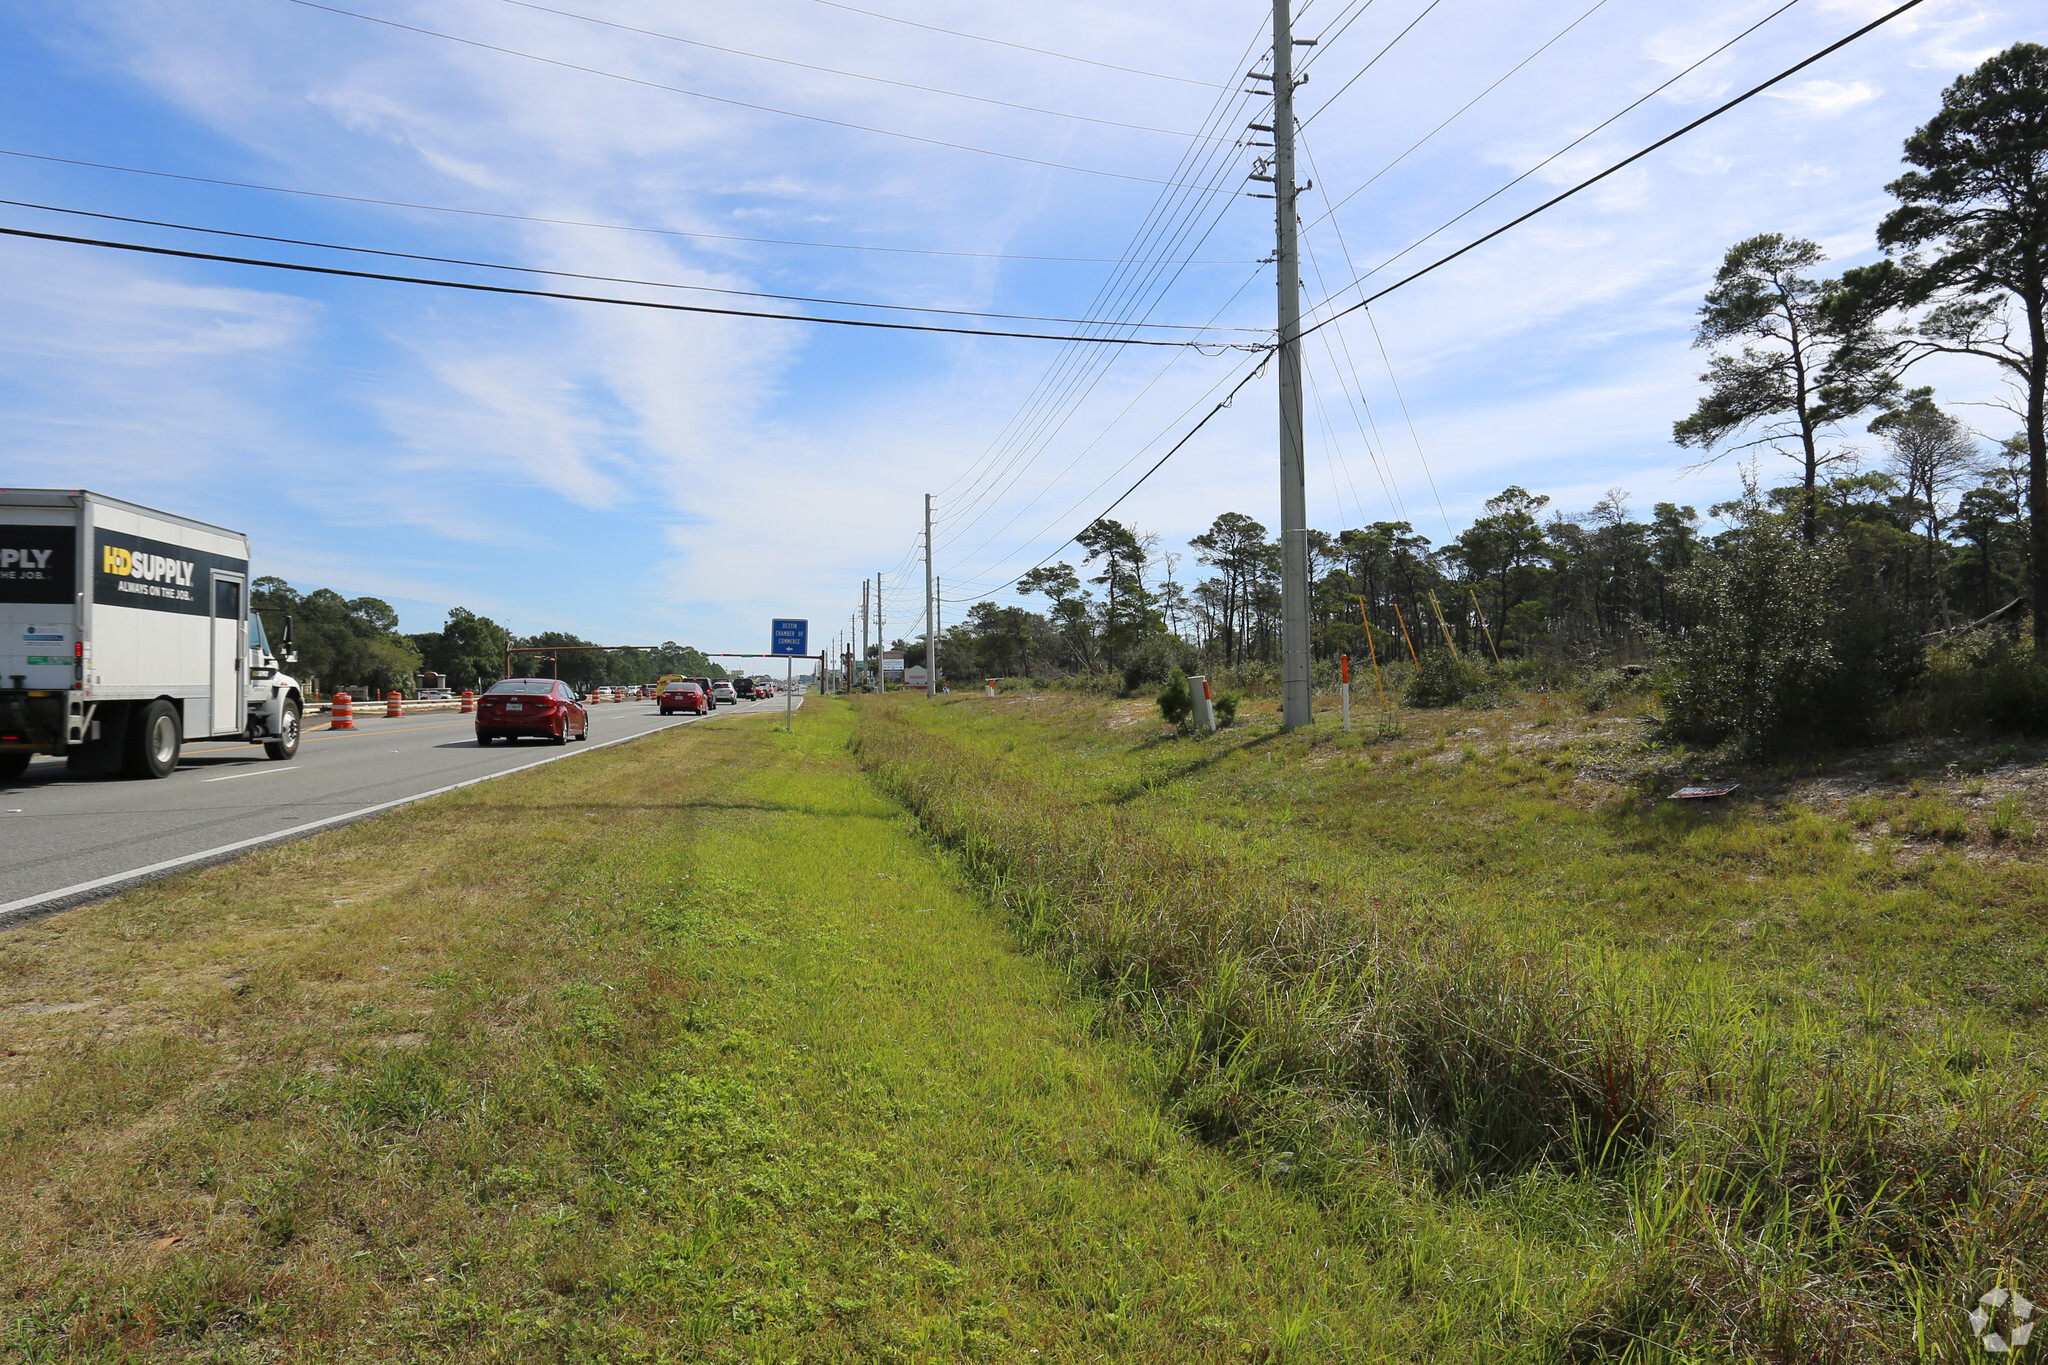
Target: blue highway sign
column 791, row 637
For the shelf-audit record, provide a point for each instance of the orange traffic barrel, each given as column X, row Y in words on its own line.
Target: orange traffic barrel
column 394, row 705
column 468, row 702
column 343, row 712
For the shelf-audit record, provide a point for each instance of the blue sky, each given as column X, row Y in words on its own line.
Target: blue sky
column 637, row 476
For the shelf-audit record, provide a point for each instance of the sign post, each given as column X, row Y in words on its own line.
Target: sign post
column 791, row 639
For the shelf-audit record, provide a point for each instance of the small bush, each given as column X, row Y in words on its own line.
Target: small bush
column 1176, row 701
column 1446, row 680
column 1226, row 709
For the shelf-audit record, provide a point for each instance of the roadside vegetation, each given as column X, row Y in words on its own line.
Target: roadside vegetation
column 688, row 1050
column 1776, row 1057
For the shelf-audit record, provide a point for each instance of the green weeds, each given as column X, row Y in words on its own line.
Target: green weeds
column 1455, row 971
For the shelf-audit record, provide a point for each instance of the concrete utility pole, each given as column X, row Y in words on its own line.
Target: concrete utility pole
column 931, row 622
column 1295, row 708
column 864, row 585
column 938, row 626
column 881, row 642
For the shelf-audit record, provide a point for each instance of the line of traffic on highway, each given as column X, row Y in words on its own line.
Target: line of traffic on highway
column 66, row 837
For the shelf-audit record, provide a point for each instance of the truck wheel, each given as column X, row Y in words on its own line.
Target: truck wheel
column 153, row 743
column 13, row 765
column 287, row 742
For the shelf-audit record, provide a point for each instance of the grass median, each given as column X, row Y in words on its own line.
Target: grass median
column 689, row 1049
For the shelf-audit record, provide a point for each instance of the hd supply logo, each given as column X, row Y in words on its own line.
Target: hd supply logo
column 158, row 570
column 132, row 572
column 38, row 564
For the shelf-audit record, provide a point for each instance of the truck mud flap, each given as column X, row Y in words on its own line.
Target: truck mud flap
column 102, row 755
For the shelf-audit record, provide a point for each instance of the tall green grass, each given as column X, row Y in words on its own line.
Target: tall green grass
column 1788, row 1189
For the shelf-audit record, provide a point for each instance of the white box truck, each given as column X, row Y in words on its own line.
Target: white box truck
column 125, row 632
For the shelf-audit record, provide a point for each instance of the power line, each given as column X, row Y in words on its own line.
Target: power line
column 576, row 275
column 573, row 298
column 1223, row 403
column 1086, row 450
column 1066, row 383
column 1467, row 105
column 722, row 99
column 835, row 71
column 1374, row 62
column 1026, row 456
column 1610, row 119
column 569, row 222
column 1006, row 479
column 1021, row 47
column 1592, row 180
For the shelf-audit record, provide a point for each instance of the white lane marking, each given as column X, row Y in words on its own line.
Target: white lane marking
column 260, row 772
column 14, row 908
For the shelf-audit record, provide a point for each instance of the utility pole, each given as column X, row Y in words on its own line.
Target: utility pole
column 1295, row 708
column 931, row 622
column 938, row 626
column 864, row 625
column 881, row 642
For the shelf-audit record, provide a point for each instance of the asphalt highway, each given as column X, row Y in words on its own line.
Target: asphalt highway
column 65, row 840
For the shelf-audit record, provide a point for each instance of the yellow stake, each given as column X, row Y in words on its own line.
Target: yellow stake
column 1483, row 626
column 1406, row 636
column 1372, row 652
column 1440, row 623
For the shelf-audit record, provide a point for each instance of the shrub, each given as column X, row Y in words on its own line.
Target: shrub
column 1445, row 680
column 1226, row 709
column 1176, row 702
column 1986, row 680
column 1761, row 658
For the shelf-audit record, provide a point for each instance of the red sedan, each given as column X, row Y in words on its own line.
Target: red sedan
column 542, row 707
column 683, row 695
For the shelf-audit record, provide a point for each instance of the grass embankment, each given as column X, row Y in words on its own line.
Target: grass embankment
column 685, row 1050
column 1784, row 1069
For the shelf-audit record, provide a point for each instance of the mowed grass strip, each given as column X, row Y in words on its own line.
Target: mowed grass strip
column 683, row 1050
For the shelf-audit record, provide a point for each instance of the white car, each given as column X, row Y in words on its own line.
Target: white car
column 721, row 691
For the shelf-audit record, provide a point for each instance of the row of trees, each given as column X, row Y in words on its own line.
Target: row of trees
column 1929, row 518
column 356, row 643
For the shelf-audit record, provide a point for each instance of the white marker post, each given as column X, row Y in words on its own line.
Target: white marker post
column 1205, row 710
column 1344, row 664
